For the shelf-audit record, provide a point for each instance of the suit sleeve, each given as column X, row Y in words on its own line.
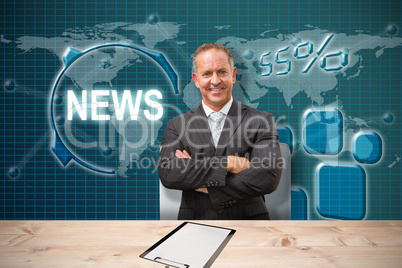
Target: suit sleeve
column 187, row 174
column 261, row 178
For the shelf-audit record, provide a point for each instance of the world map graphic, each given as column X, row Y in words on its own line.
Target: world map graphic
column 282, row 73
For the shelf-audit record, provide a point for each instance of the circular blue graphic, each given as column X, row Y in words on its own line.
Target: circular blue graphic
column 13, row 172
column 98, row 114
column 9, row 85
column 367, row 147
column 248, row 54
column 107, row 151
column 153, row 19
column 388, row 118
column 392, row 29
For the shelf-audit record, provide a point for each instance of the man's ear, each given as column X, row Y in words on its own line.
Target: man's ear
column 194, row 76
column 234, row 74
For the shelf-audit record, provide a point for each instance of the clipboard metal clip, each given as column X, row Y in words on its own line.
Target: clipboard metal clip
column 170, row 263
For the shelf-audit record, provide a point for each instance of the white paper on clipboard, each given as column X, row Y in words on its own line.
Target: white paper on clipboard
column 191, row 245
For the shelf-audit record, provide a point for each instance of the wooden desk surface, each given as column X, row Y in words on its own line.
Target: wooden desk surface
column 255, row 244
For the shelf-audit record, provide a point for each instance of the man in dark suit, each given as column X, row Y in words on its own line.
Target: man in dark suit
column 223, row 155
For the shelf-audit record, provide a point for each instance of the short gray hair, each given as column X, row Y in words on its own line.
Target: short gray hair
column 212, row 45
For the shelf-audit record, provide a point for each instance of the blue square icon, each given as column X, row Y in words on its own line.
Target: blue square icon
column 341, row 192
column 299, row 206
column 367, row 147
column 323, row 131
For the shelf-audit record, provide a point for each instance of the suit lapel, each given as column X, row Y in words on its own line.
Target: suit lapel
column 232, row 122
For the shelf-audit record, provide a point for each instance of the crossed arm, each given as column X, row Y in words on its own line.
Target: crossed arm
column 238, row 178
column 235, row 165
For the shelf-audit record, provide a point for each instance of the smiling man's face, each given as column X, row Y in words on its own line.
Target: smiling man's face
column 214, row 78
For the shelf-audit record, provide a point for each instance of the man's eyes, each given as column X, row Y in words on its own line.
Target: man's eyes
column 208, row 73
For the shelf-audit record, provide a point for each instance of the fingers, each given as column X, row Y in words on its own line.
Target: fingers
column 202, row 190
column 187, row 154
column 184, row 154
column 179, row 154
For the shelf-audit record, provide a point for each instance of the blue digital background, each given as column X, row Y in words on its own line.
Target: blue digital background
column 366, row 92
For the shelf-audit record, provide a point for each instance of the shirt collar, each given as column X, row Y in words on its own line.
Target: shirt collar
column 225, row 109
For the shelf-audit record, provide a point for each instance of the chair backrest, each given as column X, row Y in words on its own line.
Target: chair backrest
column 278, row 202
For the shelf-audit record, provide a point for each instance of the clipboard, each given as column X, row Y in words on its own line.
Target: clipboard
column 190, row 245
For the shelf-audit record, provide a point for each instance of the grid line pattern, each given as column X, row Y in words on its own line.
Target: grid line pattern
column 35, row 34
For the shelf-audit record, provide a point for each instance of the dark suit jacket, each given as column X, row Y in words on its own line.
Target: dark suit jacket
column 248, row 133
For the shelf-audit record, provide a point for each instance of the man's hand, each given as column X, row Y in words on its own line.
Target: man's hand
column 202, row 190
column 237, row 164
column 185, row 154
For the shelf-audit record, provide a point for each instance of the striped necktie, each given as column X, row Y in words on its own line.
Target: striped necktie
column 217, row 124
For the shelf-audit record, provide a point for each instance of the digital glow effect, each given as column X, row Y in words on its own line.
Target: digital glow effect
column 119, row 107
column 341, row 191
column 323, row 131
column 303, row 51
column 67, row 142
